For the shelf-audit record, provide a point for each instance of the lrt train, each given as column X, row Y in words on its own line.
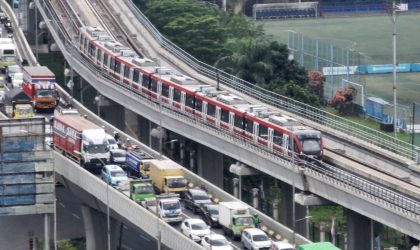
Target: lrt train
column 275, row 132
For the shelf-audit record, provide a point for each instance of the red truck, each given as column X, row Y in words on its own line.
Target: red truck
column 81, row 140
column 39, row 83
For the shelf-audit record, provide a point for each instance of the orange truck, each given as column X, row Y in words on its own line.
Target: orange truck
column 39, row 83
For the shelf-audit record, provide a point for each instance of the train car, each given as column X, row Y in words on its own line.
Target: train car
column 274, row 131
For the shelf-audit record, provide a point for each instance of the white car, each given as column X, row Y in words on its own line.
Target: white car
column 195, row 229
column 112, row 143
column 216, row 242
column 255, row 239
column 113, row 174
column 280, row 245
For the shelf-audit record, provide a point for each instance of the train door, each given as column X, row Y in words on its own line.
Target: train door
column 285, row 144
column 159, row 91
column 218, row 110
column 204, row 111
column 171, row 95
column 130, row 77
column 95, row 56
column 182, row 101
column 231, row 121
column 140, row 80
column 255, row 131
column 270, row 139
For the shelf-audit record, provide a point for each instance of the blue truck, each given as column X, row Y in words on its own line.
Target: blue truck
column 135, row 163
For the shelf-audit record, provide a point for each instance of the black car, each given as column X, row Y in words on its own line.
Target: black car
column 210, row 214
column 194, row 198
column 117, row 156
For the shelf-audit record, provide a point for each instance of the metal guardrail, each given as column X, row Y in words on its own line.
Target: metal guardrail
column 341, row 179
column 285, row 103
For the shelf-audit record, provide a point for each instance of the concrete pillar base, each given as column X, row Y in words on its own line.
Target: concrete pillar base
column 359, row 231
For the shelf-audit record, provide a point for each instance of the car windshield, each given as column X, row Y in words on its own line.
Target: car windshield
column 260, row 237
column 176, row 182
column 213, row 210
column 144, row 190
column 44, row 93
column 171, row 205
column 96, row 149
column 199, row 197
column 198, row 226
column 219, row 242
column 310, row 146
column 118, row 173
column 25, row 111
column 245, row 221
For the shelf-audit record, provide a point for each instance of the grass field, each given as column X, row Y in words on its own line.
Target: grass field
column 372, row 36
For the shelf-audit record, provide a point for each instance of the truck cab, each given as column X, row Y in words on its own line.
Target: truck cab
column 23, row 111
column 168, row 207
column 141, row 190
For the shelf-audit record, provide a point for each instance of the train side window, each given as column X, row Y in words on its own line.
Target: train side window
column 126, row 71
column 145, row 83
column 211, row 110
column 135, row 75
column 91, row 50
column 224, row 115
column 249, row 126
column 117, row 68
column 82, row 41
column 105, row 60
column 238, row 121
column 277, row 137
column 263, row 132
column 198, row 105
column 154, row 86
column 189, row 101
column 165, row 90
column 112, row 64
column 177, row 95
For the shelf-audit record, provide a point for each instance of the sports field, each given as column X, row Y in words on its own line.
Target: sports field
column 370, row 35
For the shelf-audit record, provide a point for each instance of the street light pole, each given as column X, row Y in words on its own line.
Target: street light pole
column 293, row 192
column 394, row 64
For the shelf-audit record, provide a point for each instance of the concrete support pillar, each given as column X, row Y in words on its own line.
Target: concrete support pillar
column 359, row 231
column 286, row 207
column 235, row 187
column 286, row 213
column 276, row 209
column 209, row 165
column 182, row 152
column 113, row 113
column 143, row 128
column 322, row 231
column 255, row 198
column 95, row 224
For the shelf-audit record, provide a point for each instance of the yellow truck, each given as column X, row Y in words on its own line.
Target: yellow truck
column 167, row 176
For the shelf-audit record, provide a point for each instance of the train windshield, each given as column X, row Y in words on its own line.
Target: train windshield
column 311, row 146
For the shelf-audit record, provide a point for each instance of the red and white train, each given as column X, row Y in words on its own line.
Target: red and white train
column 271, row 130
